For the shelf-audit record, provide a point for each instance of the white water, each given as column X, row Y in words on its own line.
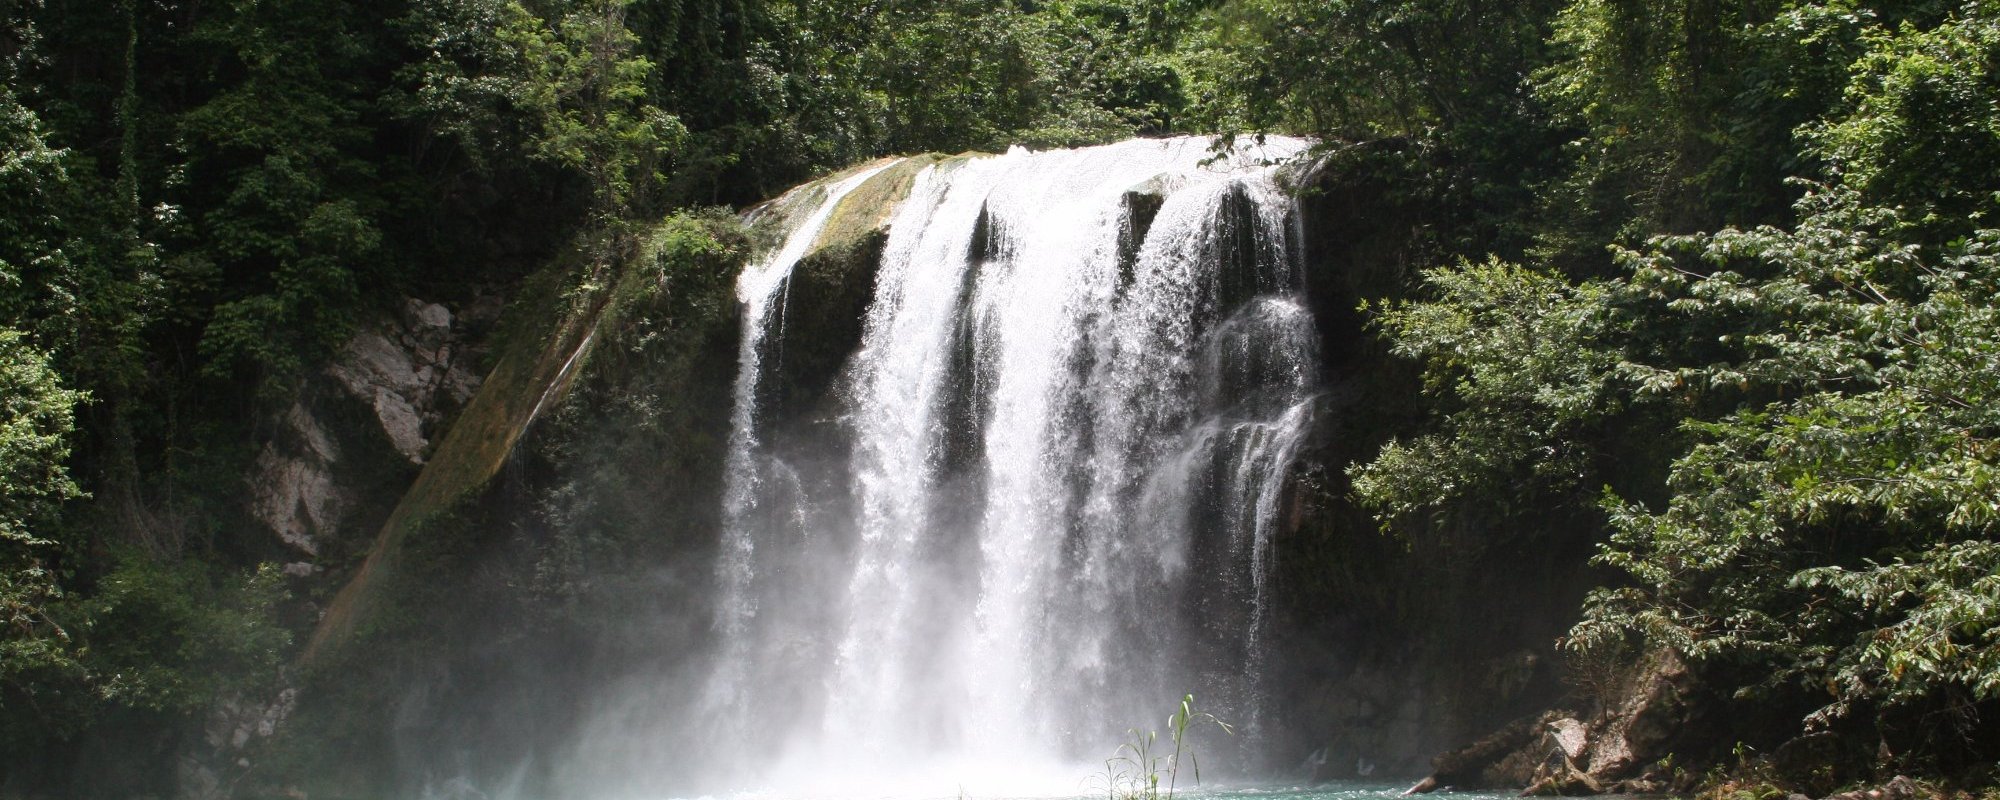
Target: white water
column 1047, row 508
column 758, row 289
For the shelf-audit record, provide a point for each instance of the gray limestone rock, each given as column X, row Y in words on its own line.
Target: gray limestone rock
column 411, row 371
column 293, row 490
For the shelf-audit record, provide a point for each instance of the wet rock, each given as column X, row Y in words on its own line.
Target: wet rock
column 209, row 769
column 1141, row 204
column 826, row 299
column 1616, row 750
column 1653, row 710
column 1487, row 762
column 235, row 722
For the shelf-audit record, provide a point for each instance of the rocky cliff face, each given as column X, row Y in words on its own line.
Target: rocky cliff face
column 331, row 465
column 412, row 370
column 520, row 556
column 320, row 475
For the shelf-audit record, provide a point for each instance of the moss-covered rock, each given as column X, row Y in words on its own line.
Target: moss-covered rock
column 826, row 301
column 530, row 374
column 555, row 538
column 549, row 340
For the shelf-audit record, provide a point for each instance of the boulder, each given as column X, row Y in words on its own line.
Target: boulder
column 293, row 489
column 1570, row 735
column 234, row 726
column 1141, row 204
column 1488, row 762
column 1615, row 751
column 1637, row 729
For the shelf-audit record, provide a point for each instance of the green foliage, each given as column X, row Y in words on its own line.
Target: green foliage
column 199, row 201
column 971, row 75
column 961, row 75
column 1435, row 92
column 1685, row 113
column 146, row 634
column 567, row 76
column 586, row 91
column 1784, row 428
column 37, row 417
column 149, row 635
column 282, row 226
column 1919, row 129
column 1937, row 614
column 1139, row 768
column 742, row 98
column 176, row 636
column 34, row 282
column 1368, row 69
column 1518, row 354
column 1830, row 520
column 1839, row 537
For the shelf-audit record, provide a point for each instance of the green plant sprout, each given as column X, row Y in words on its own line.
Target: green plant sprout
column 1135, row 771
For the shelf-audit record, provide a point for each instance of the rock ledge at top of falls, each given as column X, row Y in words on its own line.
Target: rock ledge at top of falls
column 830, row 288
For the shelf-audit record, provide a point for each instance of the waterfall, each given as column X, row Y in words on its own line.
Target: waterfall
column 1048, row 507
column 759, row 289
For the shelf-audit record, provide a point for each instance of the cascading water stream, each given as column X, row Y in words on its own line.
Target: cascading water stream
column 757, row 288
column 1063, row 441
